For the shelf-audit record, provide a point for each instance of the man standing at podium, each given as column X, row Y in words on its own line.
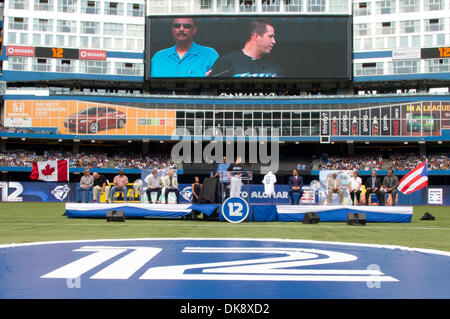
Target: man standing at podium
column 295, row 186
column 234, row 172
column 222, row 175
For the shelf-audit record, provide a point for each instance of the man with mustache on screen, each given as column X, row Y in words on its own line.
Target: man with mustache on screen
column 252, row 60
column 186, row 58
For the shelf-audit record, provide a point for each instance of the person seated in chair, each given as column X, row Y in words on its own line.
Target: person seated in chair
column 295, row 186
column 390, row 185
column 354, row 187
column 100, row 187
column 120, row 185
column 334, row 186
column 373, row 186
column 155, row 184
column 171, row 185
column 86, row 184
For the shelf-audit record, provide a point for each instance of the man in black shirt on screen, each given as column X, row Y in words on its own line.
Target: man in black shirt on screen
column 252, row 60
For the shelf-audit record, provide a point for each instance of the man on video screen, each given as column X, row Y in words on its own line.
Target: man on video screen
column 252, row 60
column 186, row 58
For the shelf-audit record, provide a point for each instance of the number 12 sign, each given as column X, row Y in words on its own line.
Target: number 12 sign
column 235, row 210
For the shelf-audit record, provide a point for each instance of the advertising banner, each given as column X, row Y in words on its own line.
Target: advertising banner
column 345, row 123
column 385, row 125
column 325, row 123
column 80, row 117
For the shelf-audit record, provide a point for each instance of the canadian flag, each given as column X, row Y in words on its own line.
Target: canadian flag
column 51, row 171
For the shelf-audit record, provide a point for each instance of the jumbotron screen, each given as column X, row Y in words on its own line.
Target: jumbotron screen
column 286, row 47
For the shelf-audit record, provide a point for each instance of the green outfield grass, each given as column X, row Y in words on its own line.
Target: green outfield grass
column 31, row 222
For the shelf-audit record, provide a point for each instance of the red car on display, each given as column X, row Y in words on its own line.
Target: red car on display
column 94, row 119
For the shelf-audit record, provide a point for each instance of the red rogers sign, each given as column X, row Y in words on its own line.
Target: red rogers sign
column 92, row 55
column 20, row 51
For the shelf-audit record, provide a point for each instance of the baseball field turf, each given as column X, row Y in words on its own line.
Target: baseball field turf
column 32, row 222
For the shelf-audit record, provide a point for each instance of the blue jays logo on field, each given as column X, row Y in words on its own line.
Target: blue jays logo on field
column 60, row 192
column 219, row 269
column 186, row 193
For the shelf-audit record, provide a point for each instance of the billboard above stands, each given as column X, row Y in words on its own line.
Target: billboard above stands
column 211, row 119
column 226, row 47
column 80, row 117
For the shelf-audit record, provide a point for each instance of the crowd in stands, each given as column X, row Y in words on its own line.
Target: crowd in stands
column 409, row 161
column 6, row 129
column 80, row 159
column 17, row 158
column 398, row 162
column 143, row 161
column 360, row 163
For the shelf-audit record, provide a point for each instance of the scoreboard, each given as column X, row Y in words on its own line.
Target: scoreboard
column 56, row 53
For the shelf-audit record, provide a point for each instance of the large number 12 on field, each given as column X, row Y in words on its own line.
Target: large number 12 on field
column 57, row 52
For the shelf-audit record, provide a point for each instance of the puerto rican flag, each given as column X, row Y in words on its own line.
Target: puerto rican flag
column 51, row 171
column 414, row 180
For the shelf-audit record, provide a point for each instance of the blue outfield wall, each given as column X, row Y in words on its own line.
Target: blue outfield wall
column 254, row 194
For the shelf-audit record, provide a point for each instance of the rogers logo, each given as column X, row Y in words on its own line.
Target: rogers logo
column 20, row 51
column 92, row 55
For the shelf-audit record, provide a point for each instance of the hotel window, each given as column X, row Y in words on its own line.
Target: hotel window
column 432, row 25
column 437, row 65
column 69, row 6
column 385, row 7
column 293, row 5
column 88, row 27
column 316, row 6
column 361, row 9
column 271, row 5
column 126, row 68
column 113, row 28
column 41, row 65
column 362, row 29
column 67, row 26
column 36, row 39
column 90, row 7
column 386, row 28
column 136, row 30
column 432, row 5
column 18, row 23
column 43, row 25
column 135, row 10
column 94, row 67
column 409, row 6
column 205, row 4
column 114, row 8
column 43, row 5
column 410, row 26
column 18, row 4
column 404, row 67
column 247, row 6
column 17, row 63
column 65, row 66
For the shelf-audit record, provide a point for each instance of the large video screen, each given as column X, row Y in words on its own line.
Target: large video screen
column 300, row 47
